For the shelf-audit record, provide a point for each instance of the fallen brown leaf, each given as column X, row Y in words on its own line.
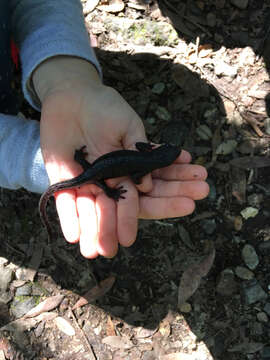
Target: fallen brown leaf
column 46, row 305
column 96, row 292
column 191, row 277
column 110, row 327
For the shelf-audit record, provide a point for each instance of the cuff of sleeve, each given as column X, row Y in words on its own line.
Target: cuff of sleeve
column 21, row 161
column 34, row 52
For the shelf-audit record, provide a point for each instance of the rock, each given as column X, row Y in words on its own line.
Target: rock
column 185, row 308
column 163, row 113
column 209, row 226
column 225, row 69
column 252, row 292
column 158, row 88
column 249, row 212
column 240, row 4
column 250, row 257
column 211, row 19
column 262, row 317
column 267, row 308
column 244, row 273
column 255, row 200
column 226, row 284
column 204, row 132
column 24, row 290
column 266, row 353
column 3, row 261
column 5, row 278
column 212, row 196
column 21, row 306
column 227, row 147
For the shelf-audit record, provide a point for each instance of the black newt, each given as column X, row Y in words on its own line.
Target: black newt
column 132, row 163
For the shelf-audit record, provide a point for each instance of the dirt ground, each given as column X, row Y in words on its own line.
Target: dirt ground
column 192, row 288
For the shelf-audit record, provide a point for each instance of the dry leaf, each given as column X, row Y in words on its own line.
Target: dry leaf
column 205, row 50
column 20, row 324
column 191, row 277
column 46, row 305
column 64, row 326
column 110, row 327
column 248, row 162
column 114, row 6
column 34, row 263
column 27, row 324
column 118, row 342
column 96, row 292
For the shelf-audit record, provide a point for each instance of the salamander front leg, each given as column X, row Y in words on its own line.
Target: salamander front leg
column 79, row 157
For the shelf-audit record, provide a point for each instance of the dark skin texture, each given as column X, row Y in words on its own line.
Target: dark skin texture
column 134, row 164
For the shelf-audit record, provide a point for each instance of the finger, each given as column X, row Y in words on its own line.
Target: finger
column 184, row 157
column 181, row 172
column 164, row 208
column 88, row 224
column 196, row 190
column 127, row 214
column 145, row 186
column 67, row 211
column 107, row 242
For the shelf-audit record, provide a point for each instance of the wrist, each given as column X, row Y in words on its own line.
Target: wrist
column 63, row 72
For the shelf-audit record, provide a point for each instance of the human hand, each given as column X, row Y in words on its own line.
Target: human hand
column 78, row 110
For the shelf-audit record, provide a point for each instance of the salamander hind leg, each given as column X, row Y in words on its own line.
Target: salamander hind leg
column 115, row 193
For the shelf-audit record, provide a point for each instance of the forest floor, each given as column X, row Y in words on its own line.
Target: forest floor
column 192, row 288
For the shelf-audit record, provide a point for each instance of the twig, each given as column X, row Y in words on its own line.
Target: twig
column 89, row 346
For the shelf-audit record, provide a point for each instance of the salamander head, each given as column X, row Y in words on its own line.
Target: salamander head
column 171, row 151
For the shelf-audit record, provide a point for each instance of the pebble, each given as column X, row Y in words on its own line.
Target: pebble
column 24, row 290
column 163, row 113
column 266, row 353
column 253, row 292
column 64, row 326
column 267, row 308
column 209, row 226
column 158, row 88
column 240, row 4
column 225, row 69
column 3, row 261
column 254, row 200
column 211, row 19
column 204, row 132
column 262, row 317
column 238, row 223
column 212, row 196
column 249, row 212
column 250, row 257
column 227, row 285
column 244, row 273
column 21, row 307
column 185, row 308
column 227, row 147
column 5, row 278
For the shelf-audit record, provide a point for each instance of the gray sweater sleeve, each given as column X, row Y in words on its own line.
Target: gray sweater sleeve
column 42, row 29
